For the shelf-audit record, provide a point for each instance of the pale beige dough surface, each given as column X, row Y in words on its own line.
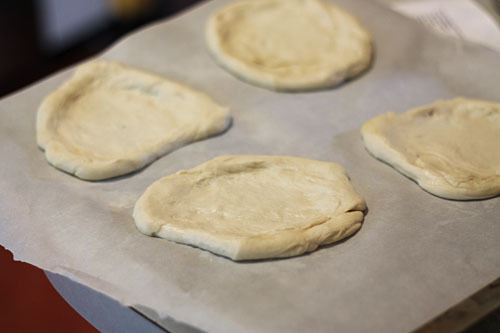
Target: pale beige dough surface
column 450, row 148
column 252, row 207
column 108, row 120
column 289, row 44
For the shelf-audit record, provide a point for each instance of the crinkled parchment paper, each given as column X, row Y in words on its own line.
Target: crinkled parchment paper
column 415, row 256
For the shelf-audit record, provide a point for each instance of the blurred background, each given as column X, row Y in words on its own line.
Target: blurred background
column 38, row 37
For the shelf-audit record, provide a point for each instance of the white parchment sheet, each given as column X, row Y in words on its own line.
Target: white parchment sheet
column 415, row 256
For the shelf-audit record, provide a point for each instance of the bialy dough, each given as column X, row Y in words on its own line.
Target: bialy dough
column 108, row 120
column 289, row 44
column 450, row 148
column 252, row 207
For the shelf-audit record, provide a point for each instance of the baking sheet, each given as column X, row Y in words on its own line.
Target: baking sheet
column 415, row 256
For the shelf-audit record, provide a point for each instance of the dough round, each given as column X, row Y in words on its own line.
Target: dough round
column 450, row 148
column 252, row 207
column 109, row 120
column 289, row 44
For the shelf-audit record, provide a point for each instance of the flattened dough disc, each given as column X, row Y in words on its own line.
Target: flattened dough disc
column 289, row 44
column 109, row 120
column 252, row 207
column 450, row 148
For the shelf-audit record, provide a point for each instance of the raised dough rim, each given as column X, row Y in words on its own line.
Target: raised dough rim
column 284, row 242
column 60, row 157
column 379, row 147
column 317, row 82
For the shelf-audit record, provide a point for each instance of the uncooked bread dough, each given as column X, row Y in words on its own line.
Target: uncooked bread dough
column 109, row 120
column 450, row 148
column 289, row 44
column 253, row 207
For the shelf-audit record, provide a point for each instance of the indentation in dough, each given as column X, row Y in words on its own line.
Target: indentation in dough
column 450, row 148
column 289, row 44
column 108, row 120
column 253, row 207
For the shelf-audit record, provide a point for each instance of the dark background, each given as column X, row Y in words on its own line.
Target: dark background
column 39, row 37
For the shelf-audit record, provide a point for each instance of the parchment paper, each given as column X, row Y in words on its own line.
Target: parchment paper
column 415, row 256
